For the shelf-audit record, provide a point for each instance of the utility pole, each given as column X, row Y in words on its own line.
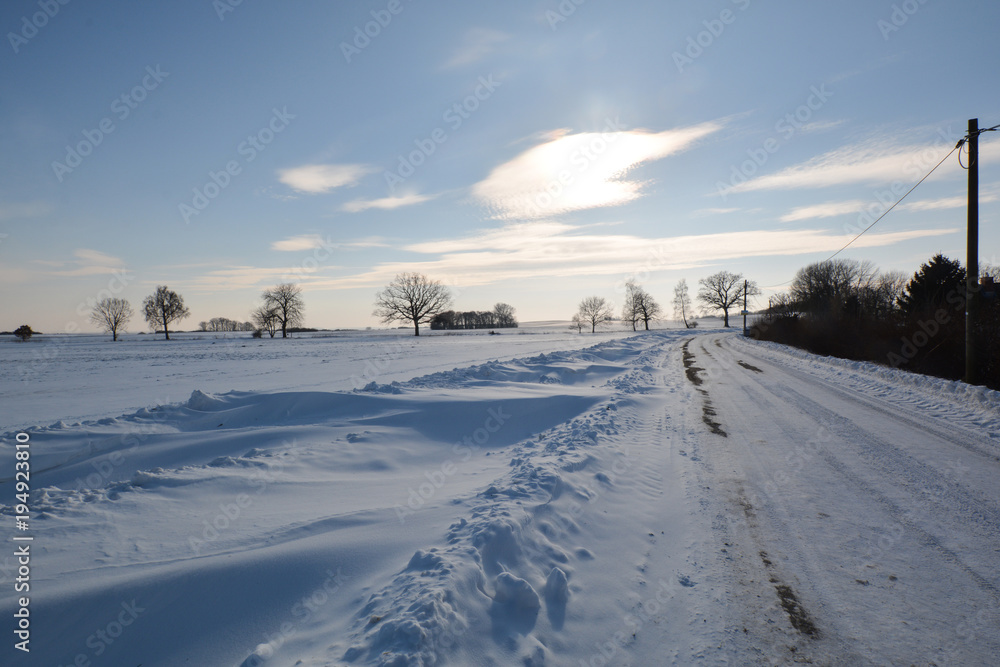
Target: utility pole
column 972, row 260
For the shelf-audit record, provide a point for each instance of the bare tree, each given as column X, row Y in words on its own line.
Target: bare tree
column 286, row 302
column 646, row 307
column 833, row 286
column 504, row 314
column 594, row 310
column 576, row 324
column 266, row 319
column 163, row 307
column 223, row 324
column 880, row 299
column 412, row 297
column 781, row 305
column 630, row 309
column 640, row 306
column 723, row 290
column 112, row 314
column 682, row 303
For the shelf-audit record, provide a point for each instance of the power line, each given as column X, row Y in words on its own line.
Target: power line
column 896, row 204
column 964, row 141
column 886, row 212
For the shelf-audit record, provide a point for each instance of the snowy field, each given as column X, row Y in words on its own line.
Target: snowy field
column 72, row 378
column 535, row 498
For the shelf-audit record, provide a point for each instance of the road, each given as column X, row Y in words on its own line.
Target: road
column 856, row 521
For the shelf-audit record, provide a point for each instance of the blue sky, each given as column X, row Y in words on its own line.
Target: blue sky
column 533, row 152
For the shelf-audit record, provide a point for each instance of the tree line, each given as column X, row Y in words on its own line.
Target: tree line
column 501, row 317
column 718, row 292
column 850, row 309
column 282, row 309
column 418, row 300
column 224, row 324
column 410, row 297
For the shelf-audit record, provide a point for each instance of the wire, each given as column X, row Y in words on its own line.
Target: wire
column 894, row 205
column 962, row 143
column 886, row 212
column 959, row 145
column 965, row 142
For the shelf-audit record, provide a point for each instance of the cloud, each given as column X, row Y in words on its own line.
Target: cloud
column 834, row 208
column 320, row 178
column 945, row 203
column 820, row 126
column 386, row 203
column 87, row 263
column 242, row 277
column 477, row 43
column 14, row 211
column 369, row 242
column 545, row 249
column 299, row 243
column 571, row 172
column 873, row 162
column 828, row 209
column 312, row 241
column 714, row 211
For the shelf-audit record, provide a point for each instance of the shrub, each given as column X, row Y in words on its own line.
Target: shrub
column 23, row 332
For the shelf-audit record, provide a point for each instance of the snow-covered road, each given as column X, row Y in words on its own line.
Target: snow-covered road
column 668, row 498
column 865, row 510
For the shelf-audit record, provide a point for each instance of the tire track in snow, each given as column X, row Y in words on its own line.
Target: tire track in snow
column 873, row 477
column 893, row 462
column 975, row 442
column 778, row 592
column 900, row 467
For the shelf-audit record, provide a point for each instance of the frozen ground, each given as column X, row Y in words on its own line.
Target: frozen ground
column 666, row 498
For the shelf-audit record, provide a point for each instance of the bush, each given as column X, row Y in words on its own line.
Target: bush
column 257, row 333
column 23, row 332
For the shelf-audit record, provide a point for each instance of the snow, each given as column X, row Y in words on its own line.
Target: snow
column 540, row 498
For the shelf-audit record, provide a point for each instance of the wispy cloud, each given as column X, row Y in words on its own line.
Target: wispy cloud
column 312, row 241
column 872, row 162
column 87, row 262
column 369, row 242
column 386, row 203
column 832, row 209
column 242, row 277
column 299, row 243
column 571, row 172
column 320, row 178
column 820, row 126
column 545, row 249
column 945, row 203
column 14, row 211
column 477, row 43
column 714, row 211
column 828, row 209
